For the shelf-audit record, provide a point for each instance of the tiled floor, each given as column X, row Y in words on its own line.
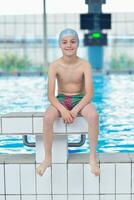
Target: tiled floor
column 71, row 181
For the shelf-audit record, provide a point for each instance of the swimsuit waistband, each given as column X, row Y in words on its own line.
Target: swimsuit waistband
column 61, row 94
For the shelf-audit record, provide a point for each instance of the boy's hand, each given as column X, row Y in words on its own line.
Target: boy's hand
column 66, row 116
column 74, row 113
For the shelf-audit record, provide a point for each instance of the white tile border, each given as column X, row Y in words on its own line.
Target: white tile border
column 27, row 179
column 107, row 178
column 13, row 197
column 75, row 179
column 91, row 182
column 59, row 179
column 17, row 125
column 123, row 197
column 32, row 123
column 12, row 178
column 132, row 178
column 28, row 197
column 58, row 176
column 2, row 182
column 123, row 178
column 43, row 183
column 2, row 197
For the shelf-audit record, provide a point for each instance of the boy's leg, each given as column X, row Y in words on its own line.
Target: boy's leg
column 50, row 115
column 90, row 114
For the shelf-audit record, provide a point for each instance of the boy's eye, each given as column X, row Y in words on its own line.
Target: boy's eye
column 65, row 42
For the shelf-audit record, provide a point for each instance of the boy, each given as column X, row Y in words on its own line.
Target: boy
column 75, row 91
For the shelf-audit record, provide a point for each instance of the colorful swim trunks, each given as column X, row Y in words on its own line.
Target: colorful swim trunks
column 69, row 101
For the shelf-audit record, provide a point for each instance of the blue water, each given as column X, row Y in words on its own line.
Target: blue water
column 112, row 97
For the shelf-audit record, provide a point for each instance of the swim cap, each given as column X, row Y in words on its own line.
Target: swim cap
column 68, row 32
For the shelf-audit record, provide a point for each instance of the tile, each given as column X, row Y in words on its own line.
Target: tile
column 107, row 178
column 114, row 158
column 28, row 197
column 2, row 197
column 16, row 125
column 59, row 149
column 59, row 126
column 107, row 197
column 123, row 197
column 131, row 156
column 44, row 182
column 39, row 148
column 91, row 182
column 60, row 197
column 19, row 158
column 27, row 178
column 123, row 178
column 132, row 197
column 44, row 197
column 132, row 177
column 18, row 114
column 75, row 197
column 12, row 178
column 91, row 197
column 59, row 179
column 38, row 114
column 78, row 158
column 75, row 179
column 80, row 125
column 38, row 125
column 12, row 197
column 3, row 158
column 2, row 179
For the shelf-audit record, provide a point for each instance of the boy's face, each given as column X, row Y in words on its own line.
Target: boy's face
column 69, row 45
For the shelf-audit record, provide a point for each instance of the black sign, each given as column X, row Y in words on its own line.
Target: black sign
column 95, row 39
column 95, row 20
column 95, row 1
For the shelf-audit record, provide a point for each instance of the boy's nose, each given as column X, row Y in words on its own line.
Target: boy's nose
column 68, row 44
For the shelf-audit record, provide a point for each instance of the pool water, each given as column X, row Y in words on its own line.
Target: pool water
column 113, row 99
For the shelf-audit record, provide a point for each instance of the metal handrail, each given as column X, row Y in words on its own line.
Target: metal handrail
column 27, row 143
column 78, row 144
column 71, row 144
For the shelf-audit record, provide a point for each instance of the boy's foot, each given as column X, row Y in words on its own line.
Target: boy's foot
column 94, row 166
column 42, row 167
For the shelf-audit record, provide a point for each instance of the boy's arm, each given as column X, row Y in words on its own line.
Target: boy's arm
column 88, row 88
column 51, row 88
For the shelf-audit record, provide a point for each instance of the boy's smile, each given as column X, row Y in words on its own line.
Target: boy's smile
column 69, row 45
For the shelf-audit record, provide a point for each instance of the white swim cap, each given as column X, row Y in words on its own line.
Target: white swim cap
column 68, row 32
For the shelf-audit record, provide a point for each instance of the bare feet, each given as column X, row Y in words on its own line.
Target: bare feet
column 94, row 166
column 42, row 167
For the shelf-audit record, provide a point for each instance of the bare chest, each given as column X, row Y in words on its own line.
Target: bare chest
column 70, row 75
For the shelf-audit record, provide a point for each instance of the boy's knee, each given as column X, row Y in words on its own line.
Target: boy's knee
column 95, row 116
column 48, row 118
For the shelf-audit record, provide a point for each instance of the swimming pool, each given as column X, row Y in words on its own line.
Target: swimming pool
column 112, row 97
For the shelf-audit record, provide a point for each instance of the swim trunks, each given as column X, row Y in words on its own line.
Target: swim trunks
column 69, row 101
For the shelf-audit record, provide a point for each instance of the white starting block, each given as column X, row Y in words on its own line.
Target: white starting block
column 26, row 123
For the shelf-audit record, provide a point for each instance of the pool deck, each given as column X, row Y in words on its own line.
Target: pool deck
column 72, row 158
column 67, row 181
column 70, row 177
